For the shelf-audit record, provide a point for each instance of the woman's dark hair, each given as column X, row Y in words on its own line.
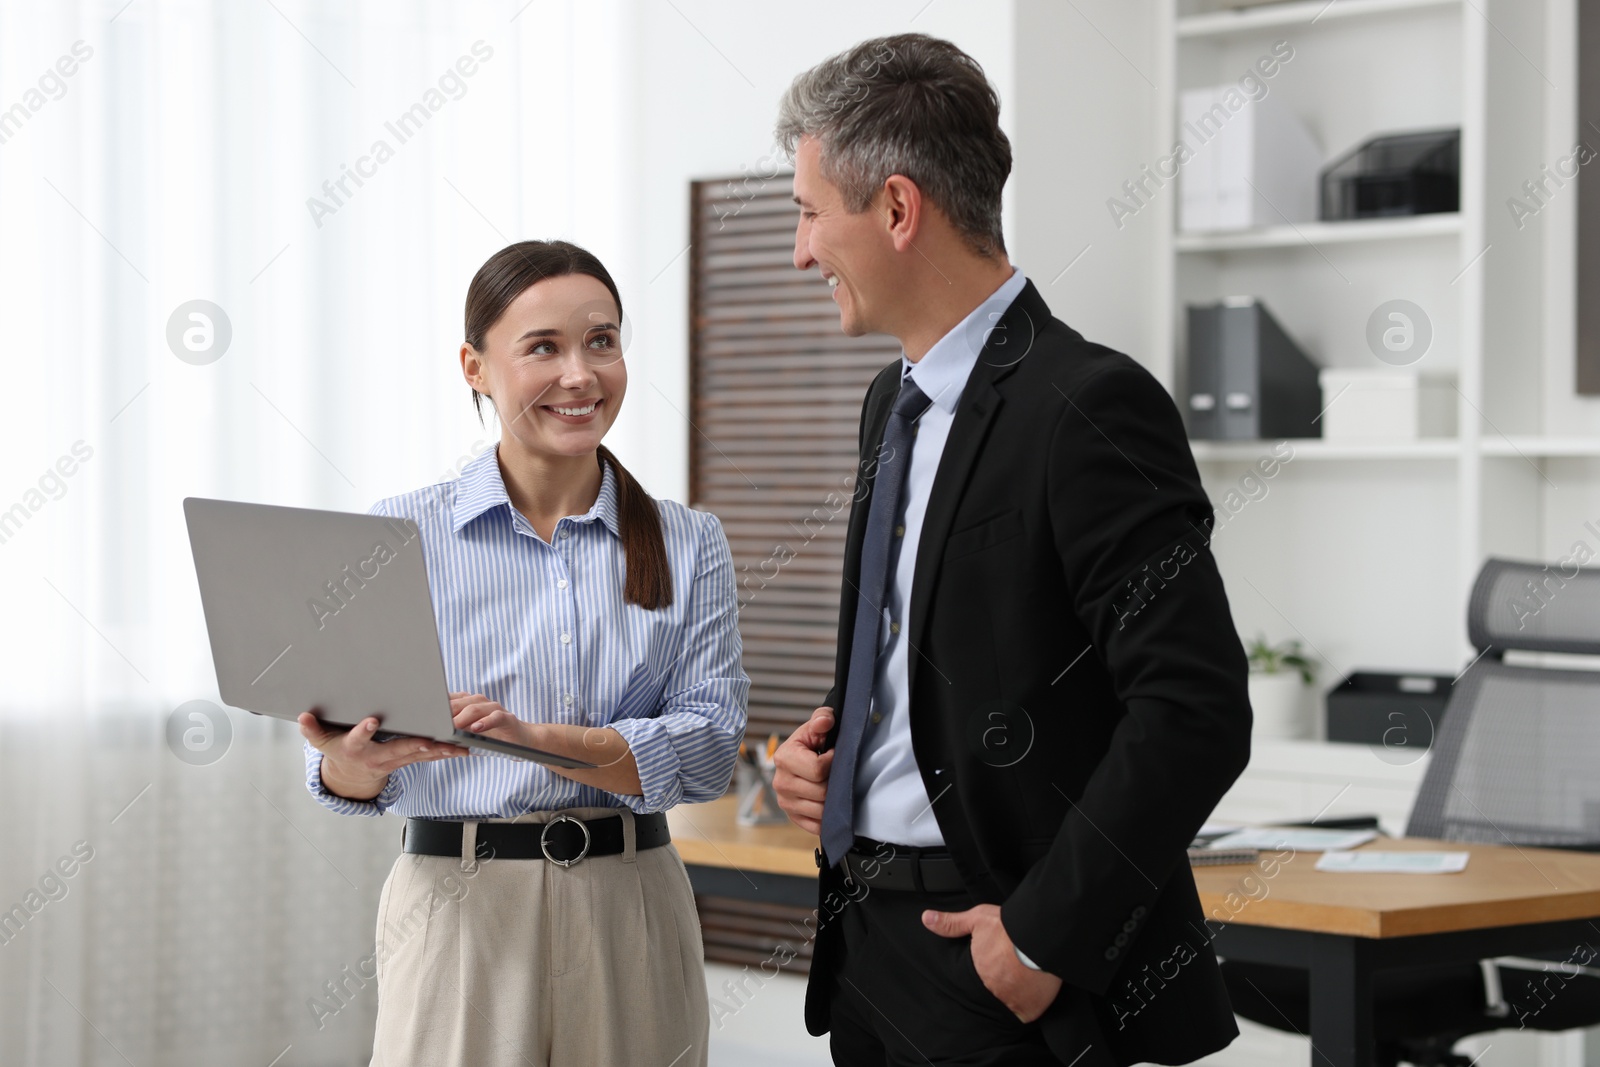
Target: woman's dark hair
column 507, row 274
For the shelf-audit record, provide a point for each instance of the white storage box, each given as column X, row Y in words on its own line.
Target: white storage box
column 1385, row 405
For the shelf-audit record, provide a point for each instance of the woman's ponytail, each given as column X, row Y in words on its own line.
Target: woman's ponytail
column 649, row 579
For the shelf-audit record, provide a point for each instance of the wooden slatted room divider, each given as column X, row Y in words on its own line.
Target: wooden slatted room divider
column 777, row 392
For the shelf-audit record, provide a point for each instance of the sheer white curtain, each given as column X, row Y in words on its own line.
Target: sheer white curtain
column 326, row 176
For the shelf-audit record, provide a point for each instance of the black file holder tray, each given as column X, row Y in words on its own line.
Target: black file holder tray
column 1393, row 710
column 1396, row 174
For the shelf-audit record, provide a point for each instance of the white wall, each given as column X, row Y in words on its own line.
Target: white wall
column 1084, row 120
column 1564, row 411
column 1576, row 500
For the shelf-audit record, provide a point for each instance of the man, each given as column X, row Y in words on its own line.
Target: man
column 1040, row 694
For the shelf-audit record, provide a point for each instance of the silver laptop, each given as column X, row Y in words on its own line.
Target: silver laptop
column 328, row 612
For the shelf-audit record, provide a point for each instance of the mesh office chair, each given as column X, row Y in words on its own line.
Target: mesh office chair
column 1514, row 763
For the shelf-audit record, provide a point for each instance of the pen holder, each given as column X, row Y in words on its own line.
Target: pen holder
column 758, row 802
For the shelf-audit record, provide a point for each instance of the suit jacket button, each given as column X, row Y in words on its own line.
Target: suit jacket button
column 1120, row 940
column 1112, row 953
column 1140, row 911
column 1130, row 926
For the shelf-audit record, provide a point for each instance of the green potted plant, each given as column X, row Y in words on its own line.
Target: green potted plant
column 1279, row 674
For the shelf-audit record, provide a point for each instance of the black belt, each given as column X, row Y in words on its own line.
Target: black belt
column 564, row 839
column 884, row 866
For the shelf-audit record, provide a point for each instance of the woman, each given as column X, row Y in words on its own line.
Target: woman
column 538, row 915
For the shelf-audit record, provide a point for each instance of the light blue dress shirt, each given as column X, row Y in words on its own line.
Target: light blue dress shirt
column 542, row 628
column 892, row 803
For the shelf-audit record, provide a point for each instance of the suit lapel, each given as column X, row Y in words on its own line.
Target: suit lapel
column 880, row 400
column 976, row 411
column 877, row 417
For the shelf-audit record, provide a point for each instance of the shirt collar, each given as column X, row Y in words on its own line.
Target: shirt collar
column 481, row 487
column 943, row 370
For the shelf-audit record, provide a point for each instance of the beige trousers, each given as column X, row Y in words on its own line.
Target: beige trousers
column 524, row 963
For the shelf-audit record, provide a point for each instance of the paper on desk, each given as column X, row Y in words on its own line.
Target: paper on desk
column 1394, row 862
column 1297, row 839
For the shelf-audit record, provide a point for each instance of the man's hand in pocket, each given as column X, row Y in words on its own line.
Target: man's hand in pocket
column 1025, row 991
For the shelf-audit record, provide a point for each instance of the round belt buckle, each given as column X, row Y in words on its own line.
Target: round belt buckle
column 544, row 840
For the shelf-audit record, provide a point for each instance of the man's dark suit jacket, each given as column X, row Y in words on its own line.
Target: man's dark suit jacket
column 1077, row 688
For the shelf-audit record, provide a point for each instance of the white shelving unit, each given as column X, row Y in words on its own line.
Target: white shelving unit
column 1367, row 552
column 1387, row 534
column 1542, row 447
column 1314, row 234
column 1294, row 15
column 1316, row 449
column 1517, row 447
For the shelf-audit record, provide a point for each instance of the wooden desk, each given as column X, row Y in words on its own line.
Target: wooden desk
column 771, row 864
column 1501, row 887
column 1342, row 928
column 709, row 835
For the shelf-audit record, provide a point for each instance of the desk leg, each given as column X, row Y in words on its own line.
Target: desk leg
column 1341, row 1003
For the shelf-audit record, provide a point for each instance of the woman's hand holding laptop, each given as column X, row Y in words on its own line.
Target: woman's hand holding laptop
column 357, row 767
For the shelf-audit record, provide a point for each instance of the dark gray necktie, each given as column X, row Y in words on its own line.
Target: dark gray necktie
column 894, row 459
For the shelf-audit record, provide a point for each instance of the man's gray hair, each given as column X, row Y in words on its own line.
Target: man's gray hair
column 911, row 105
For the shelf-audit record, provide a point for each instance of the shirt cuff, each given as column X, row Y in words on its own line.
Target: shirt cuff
column 1026, row 962
column 344, row 805
column 657, row 761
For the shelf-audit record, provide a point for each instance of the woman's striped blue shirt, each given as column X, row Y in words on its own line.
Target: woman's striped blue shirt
column 543, row 629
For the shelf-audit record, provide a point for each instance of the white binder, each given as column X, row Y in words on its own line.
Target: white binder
column 1257, row 166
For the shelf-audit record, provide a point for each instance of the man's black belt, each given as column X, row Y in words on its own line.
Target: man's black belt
column 564, row 839
column 918, row 870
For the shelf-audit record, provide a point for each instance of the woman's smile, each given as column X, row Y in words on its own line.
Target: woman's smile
column 578, row 411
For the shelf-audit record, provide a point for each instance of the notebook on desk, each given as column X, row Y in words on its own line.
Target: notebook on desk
column 1216, row 857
